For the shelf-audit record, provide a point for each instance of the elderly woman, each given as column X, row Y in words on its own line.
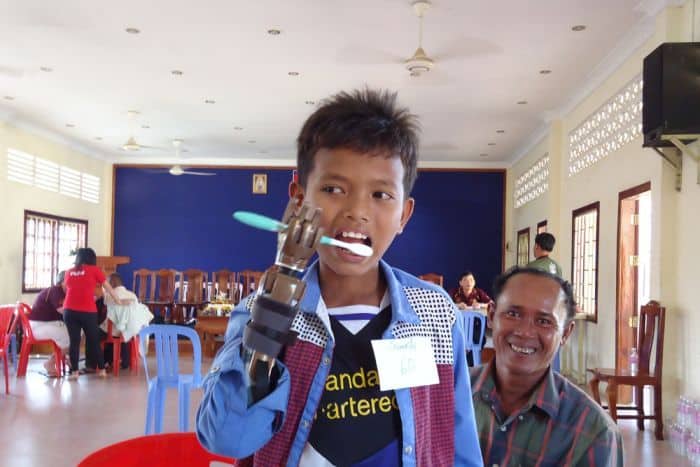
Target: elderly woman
column 468, row 295
column 46, row 319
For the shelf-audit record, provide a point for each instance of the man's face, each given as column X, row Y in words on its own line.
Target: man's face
column 468, row 282
column 362, row 200
column 528, row 324
column 113, row 282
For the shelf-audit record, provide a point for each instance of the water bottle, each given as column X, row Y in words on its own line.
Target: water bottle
column 634, row 361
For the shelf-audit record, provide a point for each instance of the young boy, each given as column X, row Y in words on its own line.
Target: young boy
column 356, row 161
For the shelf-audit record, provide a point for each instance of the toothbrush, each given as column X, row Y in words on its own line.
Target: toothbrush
column 266, row 223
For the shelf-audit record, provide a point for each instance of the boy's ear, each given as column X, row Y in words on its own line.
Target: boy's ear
column 407, row 212
column 296, row 192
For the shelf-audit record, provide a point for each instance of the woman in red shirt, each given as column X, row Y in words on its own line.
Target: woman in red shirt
column 79, row 310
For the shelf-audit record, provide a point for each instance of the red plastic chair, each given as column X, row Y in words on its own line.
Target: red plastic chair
column 7, row 328
column 162, row 450
column 117, row 342
column 28, row 340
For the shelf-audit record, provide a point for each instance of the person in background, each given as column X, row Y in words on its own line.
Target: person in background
column 79, row 310
column 131, row 319
column 526, row 413
column 544, row 244
column 468, row 295
column 46, row 319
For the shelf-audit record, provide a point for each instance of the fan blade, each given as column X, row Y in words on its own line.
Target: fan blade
column 465, row 48
column 361, row 55
column 11, row 72
column 206, row 174
column 157, row 148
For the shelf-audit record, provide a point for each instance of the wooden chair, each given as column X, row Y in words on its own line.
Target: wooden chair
column 143, row 284
column 247, row 281
column 432, row 277
column 223, row 281
column 192, row 297
column 651, row 337
column 163, row 300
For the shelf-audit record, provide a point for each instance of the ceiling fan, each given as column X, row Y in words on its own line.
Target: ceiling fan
column 177, row 169
column 131, row 144
column 419, row 63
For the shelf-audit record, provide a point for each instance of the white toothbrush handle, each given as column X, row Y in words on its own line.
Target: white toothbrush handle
column 357, row 248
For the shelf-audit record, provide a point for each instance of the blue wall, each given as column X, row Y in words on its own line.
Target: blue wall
column 162, row 221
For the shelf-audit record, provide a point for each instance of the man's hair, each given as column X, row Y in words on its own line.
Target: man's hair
column 569, row 302
column 545, row 241
column 116, row 277
column 366, row 121
column 85, row 256
column 465, row 274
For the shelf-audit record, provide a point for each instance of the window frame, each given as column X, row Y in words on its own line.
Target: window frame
column 542, row 226
column 525, row 231
column 592, row 207
column 54, row 267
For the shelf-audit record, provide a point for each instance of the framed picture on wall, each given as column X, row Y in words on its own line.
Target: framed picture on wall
column 259, row 184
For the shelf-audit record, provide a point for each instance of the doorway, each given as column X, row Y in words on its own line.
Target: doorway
column 633, row 278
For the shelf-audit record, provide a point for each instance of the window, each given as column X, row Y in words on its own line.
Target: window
column 542, row 227
column 48, row 243
column 41, row 173
column 523, row 248
column 584, row 259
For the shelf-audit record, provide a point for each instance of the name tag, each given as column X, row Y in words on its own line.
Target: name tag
column 405, row 363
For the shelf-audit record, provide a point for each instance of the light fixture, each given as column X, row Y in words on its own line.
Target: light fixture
column 133, row 113
column 578, row 27
column 262, row 152
column 521, row 102
column 209, row 101
column 500, row 131
column 545, row 72
column 98, row 138
column 176, row 72
column 131, row 145
column 492, row 144
column 70, row 125
column 132, row 30
column 251, row 141
column 310, row 102
column 238, row 128
column 274, row 32
column 9, row 98
column 483, row 154
column 293, row 73
column 145, row 127
column 46, row 69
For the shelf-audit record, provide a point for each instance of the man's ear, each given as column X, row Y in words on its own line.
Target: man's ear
column 408, row 205
column 296, row 191
column 568, row 329
column 489, row 316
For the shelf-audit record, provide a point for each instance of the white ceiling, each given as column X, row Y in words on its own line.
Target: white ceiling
column 488, row 56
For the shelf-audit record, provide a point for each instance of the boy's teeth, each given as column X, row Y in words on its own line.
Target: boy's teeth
column 354, row 235
column 523, row 350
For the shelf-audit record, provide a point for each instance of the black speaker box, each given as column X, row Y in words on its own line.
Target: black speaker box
column 671, row 93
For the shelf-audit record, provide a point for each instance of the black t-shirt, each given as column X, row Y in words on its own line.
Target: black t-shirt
column 355, row 421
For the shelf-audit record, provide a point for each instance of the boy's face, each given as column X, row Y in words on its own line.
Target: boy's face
column 362, row 200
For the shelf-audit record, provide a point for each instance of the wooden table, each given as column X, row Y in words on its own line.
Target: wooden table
column 208, row 327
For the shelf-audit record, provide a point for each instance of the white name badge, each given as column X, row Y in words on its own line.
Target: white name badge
column 405, row 363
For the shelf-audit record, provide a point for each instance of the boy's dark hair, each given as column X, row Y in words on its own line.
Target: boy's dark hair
column 569, row 301
column 366, row 121
column 465, row 274
column 116, row 277
column 85, row 256
column 545, row 241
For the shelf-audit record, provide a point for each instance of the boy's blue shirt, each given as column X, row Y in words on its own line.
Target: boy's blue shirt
column 226, row 425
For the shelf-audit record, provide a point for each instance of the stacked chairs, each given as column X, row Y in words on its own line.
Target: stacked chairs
column 8, row 321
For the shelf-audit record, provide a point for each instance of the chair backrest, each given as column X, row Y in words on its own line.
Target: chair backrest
column 249, row 281
column 432, row 277
column 474, row 330
column 161, row 450
column 8, row 321
column 167, row 354
column 222, row 282
column 144, row 284
column 165, row 279
column 652, row 320
column 23, row 311
column 196, row 278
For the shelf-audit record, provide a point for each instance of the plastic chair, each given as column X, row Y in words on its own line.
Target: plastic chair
column 436, row 279
column 474, row 333
column 28, row 340
column 8, row 322
column 163, row 450
column 167, row 359
column 117, row 342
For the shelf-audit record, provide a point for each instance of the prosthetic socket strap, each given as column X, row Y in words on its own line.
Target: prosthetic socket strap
column 269, row 328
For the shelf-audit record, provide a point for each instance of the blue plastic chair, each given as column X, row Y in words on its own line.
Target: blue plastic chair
column 472, row 338
column 167, row 359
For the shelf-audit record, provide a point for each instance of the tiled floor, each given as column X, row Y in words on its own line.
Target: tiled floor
column 53, row 422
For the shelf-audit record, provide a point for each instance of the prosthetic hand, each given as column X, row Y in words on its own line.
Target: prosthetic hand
column 277, row 299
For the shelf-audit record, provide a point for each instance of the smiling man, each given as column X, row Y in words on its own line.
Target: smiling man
column 527, row 414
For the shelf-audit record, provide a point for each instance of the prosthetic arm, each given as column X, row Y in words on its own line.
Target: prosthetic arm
column 277, row 299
